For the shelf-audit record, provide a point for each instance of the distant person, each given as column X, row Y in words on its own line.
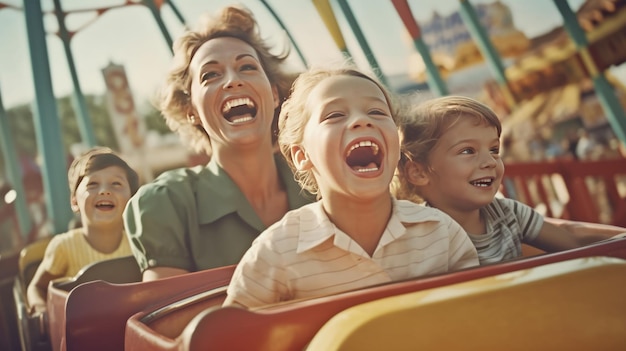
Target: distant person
column 338, row 133
column 101, row 183
column 451, row 161
column 585, row 145
column 9, row 235
column 222, row 95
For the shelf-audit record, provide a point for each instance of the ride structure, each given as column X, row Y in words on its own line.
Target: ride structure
column 183, row 313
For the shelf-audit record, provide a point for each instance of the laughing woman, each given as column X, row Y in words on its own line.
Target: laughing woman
column 222, row 94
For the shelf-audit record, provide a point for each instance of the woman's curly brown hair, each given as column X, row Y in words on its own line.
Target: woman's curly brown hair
column 174, row 101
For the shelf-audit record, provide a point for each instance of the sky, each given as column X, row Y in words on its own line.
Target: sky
column 130, row 36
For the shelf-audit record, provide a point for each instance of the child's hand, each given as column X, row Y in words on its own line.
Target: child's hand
column 38, row 308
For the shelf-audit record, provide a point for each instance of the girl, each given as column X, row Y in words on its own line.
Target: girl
column 338, row 133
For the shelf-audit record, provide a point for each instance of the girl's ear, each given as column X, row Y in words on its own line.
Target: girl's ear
column 416, row 173
column 300, row 158
column 74, row 204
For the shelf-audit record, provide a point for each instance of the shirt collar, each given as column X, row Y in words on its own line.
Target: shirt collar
column 316, row 227
column 218, row 196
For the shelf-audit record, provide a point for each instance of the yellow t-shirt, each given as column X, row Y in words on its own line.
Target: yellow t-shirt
column 69, row 252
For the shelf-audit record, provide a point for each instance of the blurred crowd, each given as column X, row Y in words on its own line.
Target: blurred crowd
column 576, row 144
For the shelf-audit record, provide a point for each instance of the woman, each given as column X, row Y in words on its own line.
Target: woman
column 222, row 94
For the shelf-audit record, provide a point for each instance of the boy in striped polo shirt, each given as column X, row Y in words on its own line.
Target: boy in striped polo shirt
column 338, row 133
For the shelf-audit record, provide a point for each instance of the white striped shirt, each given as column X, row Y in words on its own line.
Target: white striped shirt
column 305, row 255
column 509, row 224
column 69, row 252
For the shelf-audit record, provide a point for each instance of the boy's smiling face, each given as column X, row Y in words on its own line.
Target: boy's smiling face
column 467, row 168
column 350, row 141
column 101, row 197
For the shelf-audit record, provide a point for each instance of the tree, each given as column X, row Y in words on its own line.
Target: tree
column 155, row 121
column 20, row 120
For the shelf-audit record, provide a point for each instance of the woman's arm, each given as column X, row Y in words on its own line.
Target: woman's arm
column 161, row 272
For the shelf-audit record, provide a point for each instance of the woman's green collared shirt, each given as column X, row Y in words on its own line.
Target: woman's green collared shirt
column 197, row 218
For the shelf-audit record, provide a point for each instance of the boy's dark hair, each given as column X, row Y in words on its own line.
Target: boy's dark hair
column 96, row 159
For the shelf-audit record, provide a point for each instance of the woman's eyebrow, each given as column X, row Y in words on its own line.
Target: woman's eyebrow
column 237, row 58
column 241, row 56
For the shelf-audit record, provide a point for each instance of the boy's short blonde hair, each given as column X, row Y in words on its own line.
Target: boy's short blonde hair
column 294, row 115
column 423, row 124
column 96, row 159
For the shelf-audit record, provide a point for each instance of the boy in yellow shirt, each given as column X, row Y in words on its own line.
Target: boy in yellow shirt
column 100, row 185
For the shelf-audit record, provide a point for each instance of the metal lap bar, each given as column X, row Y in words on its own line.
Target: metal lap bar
column 173, row 307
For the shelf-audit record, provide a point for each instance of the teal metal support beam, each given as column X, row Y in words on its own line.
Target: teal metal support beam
column 605, row 92
column 435, row 82
column 78, row 99
column 156, row 13
column 480, row 36
column 356, row 29
column 434, row 79
column 47, row 125
column 282, row 25
column 177, row 13
column 14, row 172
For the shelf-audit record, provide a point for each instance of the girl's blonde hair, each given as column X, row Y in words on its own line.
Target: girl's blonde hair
column 294, row 115
column 174, row 101
column 422, row 125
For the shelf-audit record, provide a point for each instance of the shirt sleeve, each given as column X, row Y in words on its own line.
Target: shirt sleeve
column 462, row 252
column 530, row 221
column 55, row 257
column 157, row 220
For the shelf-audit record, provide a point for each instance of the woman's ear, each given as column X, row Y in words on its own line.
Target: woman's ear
column 192, row 116
column 300, row 158
column 416, row 173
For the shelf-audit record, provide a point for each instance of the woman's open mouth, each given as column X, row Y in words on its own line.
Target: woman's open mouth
column 239, row 110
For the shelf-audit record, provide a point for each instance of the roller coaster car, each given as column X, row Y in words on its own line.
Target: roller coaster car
column 120, row 270
column 32, row 329
column 292, row 325
column 569, row 305
column 39, row 332
column 92, row 316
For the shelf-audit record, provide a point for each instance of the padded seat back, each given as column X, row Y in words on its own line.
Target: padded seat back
column 30, row 258
column 32, row 333
column 96, row 312
column 118, row 270
column 570, row 305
